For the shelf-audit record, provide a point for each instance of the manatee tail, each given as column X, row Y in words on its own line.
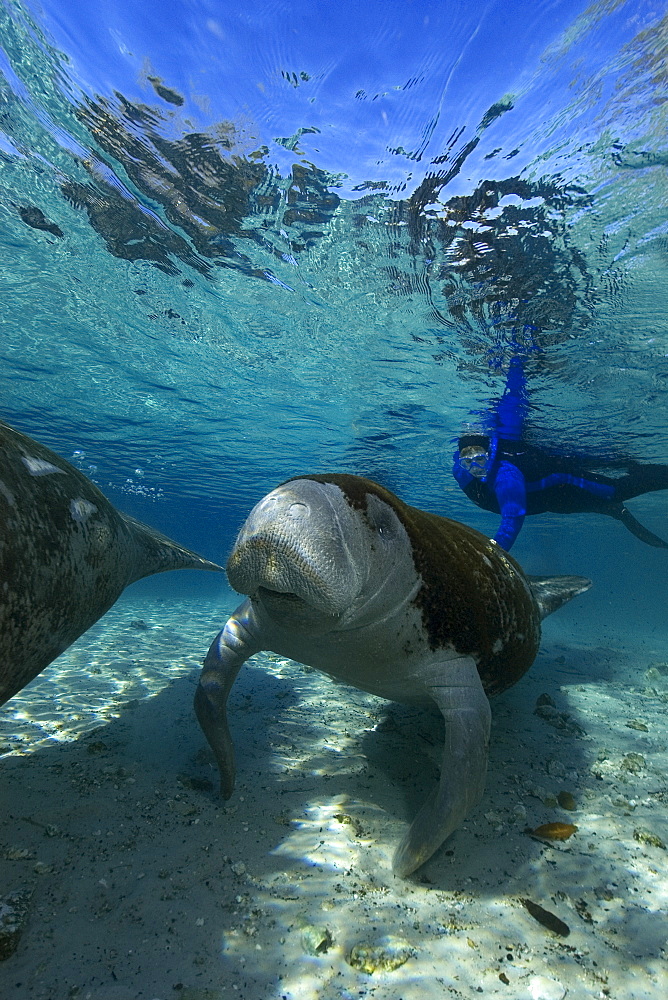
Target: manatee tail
column 156, row 553
column 553, row 591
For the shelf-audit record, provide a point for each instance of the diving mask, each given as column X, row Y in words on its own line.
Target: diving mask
column 474, row 459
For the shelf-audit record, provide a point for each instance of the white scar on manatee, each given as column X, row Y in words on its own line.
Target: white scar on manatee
column 38, row 467
column 81, row 509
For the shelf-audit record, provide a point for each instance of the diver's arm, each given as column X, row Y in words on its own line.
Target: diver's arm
column 511, row 495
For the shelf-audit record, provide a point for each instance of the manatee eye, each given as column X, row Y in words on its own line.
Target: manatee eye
column 381, row 518
column 383, row 524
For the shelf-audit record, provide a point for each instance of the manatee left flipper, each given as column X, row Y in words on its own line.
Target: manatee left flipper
column 457, row 690
column 227, row 654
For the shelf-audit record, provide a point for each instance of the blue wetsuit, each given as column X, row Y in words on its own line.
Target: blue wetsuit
column 513, row 478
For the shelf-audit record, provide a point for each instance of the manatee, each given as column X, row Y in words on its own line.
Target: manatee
column 343, row 576
column 66, row 554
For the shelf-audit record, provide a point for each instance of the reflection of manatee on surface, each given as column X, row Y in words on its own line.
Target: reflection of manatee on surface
column 343, row 576
column 66, row 554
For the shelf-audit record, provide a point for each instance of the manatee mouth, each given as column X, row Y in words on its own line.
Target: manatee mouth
column 279, row 597
column 298, row 551
column 292, row 610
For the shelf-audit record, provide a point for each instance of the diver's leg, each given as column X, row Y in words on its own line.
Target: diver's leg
column 641, row 479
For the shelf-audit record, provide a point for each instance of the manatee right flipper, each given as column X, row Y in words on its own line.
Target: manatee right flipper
column 457, row 690
column 227, row 653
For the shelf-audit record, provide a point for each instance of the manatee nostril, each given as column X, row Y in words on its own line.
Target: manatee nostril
column 297, row 510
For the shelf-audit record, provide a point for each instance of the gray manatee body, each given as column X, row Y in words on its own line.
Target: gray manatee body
column 343, row 576
column 66, row 554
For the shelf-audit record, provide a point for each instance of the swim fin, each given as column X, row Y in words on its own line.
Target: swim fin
column 636, row 528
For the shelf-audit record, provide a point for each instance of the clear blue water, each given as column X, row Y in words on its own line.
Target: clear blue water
column 239, row 242
column 270, row 249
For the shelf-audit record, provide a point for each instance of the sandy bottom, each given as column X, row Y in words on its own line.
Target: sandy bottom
column 138, row 882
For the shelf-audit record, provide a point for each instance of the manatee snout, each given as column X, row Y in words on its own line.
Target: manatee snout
column 297, row 540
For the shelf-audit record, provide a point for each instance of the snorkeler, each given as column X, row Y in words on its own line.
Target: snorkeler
column 500, row 472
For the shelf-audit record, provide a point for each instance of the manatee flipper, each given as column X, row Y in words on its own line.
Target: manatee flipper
column 467, row 715
column 552, row 592
column 227, row 654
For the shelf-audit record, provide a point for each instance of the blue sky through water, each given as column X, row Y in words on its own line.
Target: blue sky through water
column 383, row 86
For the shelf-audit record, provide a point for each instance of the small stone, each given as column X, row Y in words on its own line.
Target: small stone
column 381, row 957
column 623, row 803
column 633, row 763
column 637, row 724
column 182, row 807
column 560, row 720
column 647, row 837
column 546, row 918
column 13, row 919
column 316, row 940
column 18, row 854
column 350, row 821
column 566, row 801
column 544, row 988
column 239, row 868
column 554, row 831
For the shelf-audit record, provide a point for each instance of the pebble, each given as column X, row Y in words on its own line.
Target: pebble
column 13, row 918
column 546, row 918
column 316, row 940
column 544, row 988
column 385, row 957
column 633, row 763
column 18, row 854
column 555, row 831
column 182, row 807
column 647, row 837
